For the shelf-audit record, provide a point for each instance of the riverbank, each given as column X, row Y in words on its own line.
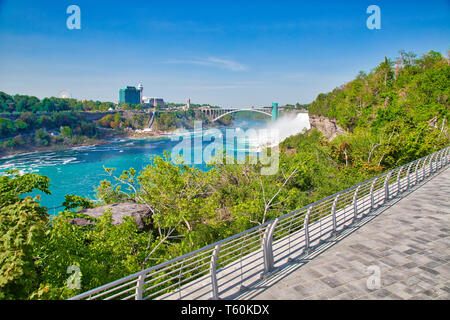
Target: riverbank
column 108, row 136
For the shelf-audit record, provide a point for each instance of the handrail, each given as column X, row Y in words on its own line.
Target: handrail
column 308, row 227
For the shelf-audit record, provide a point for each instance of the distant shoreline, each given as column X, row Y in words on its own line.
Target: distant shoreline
column 35, row 149
column 131, row 134
column 30, row 149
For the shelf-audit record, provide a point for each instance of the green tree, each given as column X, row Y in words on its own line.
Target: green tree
column 66, row 131
column 22, row 227
column 42, row 138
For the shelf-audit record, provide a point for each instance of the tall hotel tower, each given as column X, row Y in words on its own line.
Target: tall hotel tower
column 131, row 95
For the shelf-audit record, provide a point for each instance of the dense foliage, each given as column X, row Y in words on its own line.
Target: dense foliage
column 24, row 103
column 62, row 128
column 22, row 228
column 394, row 114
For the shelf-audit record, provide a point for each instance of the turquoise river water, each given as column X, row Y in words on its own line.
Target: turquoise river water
column 78, row 170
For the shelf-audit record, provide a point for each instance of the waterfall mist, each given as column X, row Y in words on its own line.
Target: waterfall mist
column 282, row 128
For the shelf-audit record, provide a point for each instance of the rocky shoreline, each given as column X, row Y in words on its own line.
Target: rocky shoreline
column 36, row 149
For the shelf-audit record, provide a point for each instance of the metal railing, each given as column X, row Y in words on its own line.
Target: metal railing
column 227, row 266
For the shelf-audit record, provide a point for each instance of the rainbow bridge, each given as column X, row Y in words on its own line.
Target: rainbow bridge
column 215, row 114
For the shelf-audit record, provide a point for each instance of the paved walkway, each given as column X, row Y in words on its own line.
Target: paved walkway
column 409, row 243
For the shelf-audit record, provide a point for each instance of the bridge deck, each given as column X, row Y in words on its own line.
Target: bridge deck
column 409, row 242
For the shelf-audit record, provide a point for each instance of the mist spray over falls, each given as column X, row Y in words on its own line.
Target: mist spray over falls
column 281, row 129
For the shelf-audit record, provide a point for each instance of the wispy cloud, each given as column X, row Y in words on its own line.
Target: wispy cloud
column 220, row 86
column 213, row 62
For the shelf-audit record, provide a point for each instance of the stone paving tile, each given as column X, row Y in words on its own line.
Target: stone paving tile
column 355, row 291
column 332, row 293
column 350, row 275
column 398, row 289
column 392, row 296
column 332, row 282
column 410, row 265
column 409, row 242
column 312, row 274
column 379, row 294
column 311, row 288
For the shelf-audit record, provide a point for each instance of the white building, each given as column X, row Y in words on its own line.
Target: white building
column 141, row 91
column 187, row 106
column 154, row 102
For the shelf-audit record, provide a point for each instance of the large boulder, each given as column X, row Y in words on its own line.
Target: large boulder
column 118, row 210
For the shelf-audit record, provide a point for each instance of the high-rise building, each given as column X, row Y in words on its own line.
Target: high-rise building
column 131, row 95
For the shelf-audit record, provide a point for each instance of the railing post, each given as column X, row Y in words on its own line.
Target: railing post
column 139, row 286
column 417, row 172
column 407, row 175
column 386, row 186
column 424, row 168
column 435, row 161
column 355, row 206
column 333, row 215
column 306, row 228
column 212, row 271
column 438, row 160
column 372, row 200
column 267, row 246
column 398, row 180
column 431, row 164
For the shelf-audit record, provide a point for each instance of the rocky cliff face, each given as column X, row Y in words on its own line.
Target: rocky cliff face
column 328, row 127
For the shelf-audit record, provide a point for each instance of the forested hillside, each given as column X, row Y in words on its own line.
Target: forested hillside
column 397, row 112
column 24, row 103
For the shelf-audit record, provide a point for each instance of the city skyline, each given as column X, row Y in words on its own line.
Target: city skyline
column 227, row 54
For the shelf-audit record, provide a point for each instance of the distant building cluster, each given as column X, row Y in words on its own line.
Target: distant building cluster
column 133, row 95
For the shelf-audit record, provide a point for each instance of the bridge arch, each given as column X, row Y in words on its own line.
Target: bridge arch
column 238, row 110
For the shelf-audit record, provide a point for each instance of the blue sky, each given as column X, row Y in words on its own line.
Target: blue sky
column 229, row 53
